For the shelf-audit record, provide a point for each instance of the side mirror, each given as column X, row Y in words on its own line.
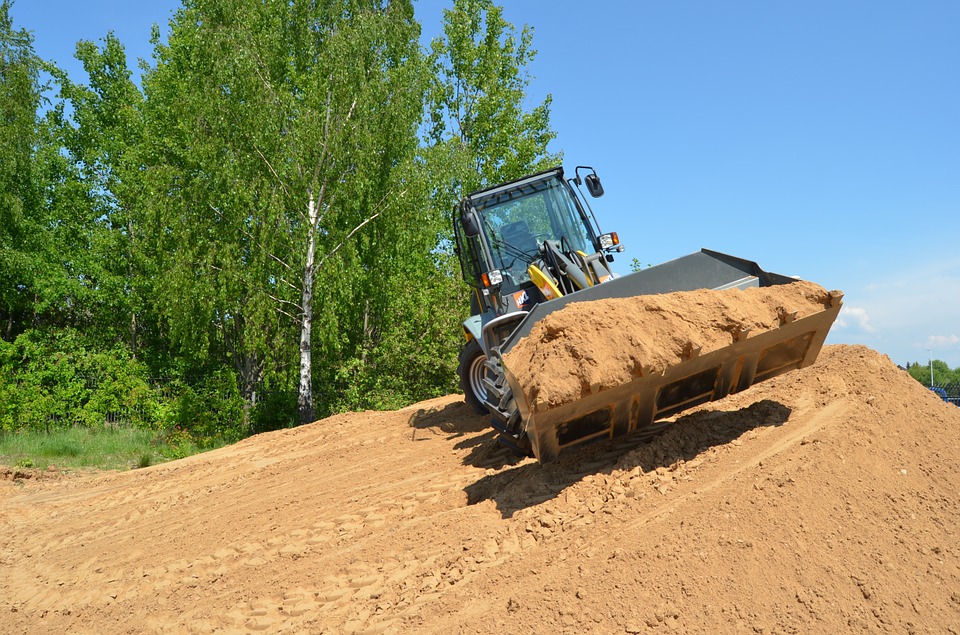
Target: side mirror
column 471, row 226
column 593, row 185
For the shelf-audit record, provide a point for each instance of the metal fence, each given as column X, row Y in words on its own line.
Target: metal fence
column 948, row 392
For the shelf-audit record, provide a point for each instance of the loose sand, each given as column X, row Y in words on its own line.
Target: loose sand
column 590, row 346
column 826, row 500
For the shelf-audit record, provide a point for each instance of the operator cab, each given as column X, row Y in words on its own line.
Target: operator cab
column 535, row 224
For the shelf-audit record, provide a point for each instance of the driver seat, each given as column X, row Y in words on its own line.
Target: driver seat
column 518, row 235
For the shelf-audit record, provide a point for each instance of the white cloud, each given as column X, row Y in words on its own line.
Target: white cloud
column 942, row 341
column 904, row 310
column 921, row 298
column 855, row 317
column 945, row 347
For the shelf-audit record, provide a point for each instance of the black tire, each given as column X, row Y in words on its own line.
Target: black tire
column 471, row 370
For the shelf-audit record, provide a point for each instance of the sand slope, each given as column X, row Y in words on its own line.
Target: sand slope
column 826, row 500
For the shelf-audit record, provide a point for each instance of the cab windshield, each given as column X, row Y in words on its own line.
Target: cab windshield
column 518, row 220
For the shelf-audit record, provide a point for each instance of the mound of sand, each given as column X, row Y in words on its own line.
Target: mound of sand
column 822, row 501
column 590, row 346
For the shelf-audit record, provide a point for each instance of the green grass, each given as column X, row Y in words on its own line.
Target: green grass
column 109, row 449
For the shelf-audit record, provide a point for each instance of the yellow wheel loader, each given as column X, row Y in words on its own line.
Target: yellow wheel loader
column 532, row 246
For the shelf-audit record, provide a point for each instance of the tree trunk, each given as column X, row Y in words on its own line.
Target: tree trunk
column 132, row 293
column 249, row 381
column 248, row 366
column 133, row 334
column 305, row 395
column 366, row 333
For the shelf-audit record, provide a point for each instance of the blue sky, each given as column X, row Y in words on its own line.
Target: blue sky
column 819, row 139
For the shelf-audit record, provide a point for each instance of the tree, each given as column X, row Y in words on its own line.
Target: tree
column 413, row 304
column 276, row 200
column 412, row 331
column 22, row 230
column 476, row 114
column 278, row 132
column 942, row 374
column 64, row 261
column 477, row 133
column 100, row 204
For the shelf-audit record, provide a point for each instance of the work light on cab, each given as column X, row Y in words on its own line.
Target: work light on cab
column 492, row 278
column 610, row 242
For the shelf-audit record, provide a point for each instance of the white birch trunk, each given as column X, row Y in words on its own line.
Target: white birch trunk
column 305, row 394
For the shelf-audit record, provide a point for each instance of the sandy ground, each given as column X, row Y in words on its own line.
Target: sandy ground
column 826, row 500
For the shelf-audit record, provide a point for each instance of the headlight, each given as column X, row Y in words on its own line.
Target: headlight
column 492, row 278
column 609, row 241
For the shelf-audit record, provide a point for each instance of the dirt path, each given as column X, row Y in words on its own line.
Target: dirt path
column 826, row 500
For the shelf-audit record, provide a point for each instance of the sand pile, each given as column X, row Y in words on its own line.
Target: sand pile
column 825, row 500
column 590, row 346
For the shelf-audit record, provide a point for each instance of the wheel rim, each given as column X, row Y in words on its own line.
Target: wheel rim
column 478, row 371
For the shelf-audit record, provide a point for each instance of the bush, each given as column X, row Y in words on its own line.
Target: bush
column 118, row 386
column 210, row 411
column 274, row 410
column 57, row 380
column 48, row 389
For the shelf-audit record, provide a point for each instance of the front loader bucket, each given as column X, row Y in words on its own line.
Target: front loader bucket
column 636, row 404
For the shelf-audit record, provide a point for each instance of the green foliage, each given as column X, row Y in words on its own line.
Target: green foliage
column 255, row 111
column 56, row 380
column 477, row 132
column 45, row 385
column 22, row 231
column 165, row 232
column 275, row 409
column 60, row 382
column 477, row 95
column 942, row 373
column 99, row 196
column 177, row 443
column 209, row 411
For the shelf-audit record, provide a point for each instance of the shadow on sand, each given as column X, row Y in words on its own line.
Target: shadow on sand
column 529, row 483
column 453, row 420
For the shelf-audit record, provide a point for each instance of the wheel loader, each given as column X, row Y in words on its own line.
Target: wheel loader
column 532, row 246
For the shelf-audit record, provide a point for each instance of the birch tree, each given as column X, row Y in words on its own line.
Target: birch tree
column 279, row 130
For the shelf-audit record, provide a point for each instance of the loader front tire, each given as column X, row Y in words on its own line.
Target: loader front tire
column 472, row 370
